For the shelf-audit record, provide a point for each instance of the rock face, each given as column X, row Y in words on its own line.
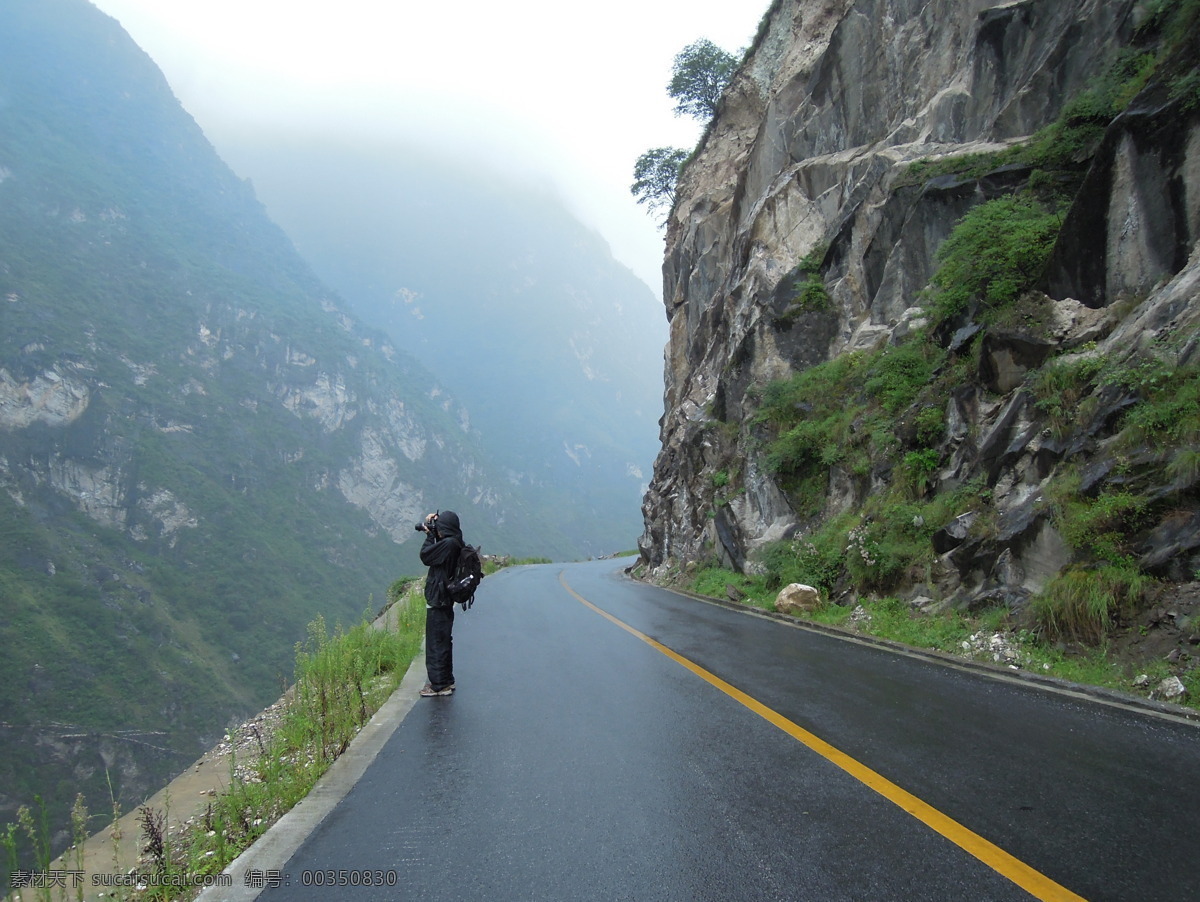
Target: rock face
column 826, row 149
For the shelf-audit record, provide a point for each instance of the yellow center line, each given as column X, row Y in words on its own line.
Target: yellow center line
column 1030, row 880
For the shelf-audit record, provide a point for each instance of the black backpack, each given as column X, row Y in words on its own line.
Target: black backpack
column 467, row 577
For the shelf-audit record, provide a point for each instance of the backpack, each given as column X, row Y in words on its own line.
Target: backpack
column 467, row 577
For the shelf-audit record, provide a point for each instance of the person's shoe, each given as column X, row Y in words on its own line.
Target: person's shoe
column 428, row 691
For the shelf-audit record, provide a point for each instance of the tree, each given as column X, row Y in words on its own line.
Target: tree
column 655, row 174
column 699, row 76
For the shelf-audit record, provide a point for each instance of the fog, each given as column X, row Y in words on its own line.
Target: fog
column 566, row 95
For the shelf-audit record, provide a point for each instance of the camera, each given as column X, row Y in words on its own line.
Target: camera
column 429, row 524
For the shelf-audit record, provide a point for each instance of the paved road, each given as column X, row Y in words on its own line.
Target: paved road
column 577, row 761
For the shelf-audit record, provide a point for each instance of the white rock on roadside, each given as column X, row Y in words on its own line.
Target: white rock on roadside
column 797, row 598
column 1170, row 690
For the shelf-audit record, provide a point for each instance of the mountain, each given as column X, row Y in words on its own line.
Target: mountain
column 932, row 280
column 554, row 346
column 201, row 448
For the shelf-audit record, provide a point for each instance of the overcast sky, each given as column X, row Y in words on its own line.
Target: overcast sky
column 569, row 93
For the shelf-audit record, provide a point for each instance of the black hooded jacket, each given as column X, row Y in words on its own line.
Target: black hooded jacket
column 440, row 555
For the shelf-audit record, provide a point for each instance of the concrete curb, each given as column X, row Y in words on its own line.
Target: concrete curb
column 271, row 851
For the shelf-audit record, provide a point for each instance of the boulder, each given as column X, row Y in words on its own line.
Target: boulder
column 1007, row 357
column 1170, row 690
column 1074, row 324
column 954, row 533
column 797, row 598
column 1167, row 548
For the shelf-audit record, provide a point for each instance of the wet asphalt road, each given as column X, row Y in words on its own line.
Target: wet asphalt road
column 577, row 762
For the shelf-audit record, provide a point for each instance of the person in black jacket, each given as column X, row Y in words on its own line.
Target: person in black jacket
column 443, row 542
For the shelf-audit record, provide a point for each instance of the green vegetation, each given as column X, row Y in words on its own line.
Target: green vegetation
column 959, row 633
column 898, row 373
column 1168, row 32
column 1160, row 427
column 892, row 619
column 655, row 174
column 698, row 78
column 1060, row 388
column 1097, row 527
column 341, row 681
column 1167, row 415
column 845, row 413
column 812, row 414
column 878, row 418
column 1165, row 410
column 808, row 285
column 994, row 255
column 882, row 412
column 870, row 550
column 32, row 831
column 1082, row 604
column 817, row 559
column 492, row 566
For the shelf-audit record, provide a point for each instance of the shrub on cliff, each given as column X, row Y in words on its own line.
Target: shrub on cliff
column 995, row 253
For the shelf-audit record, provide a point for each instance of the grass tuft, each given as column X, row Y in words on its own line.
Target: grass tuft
column 1080, row 605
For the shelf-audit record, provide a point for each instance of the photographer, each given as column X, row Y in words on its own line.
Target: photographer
column 443, row 542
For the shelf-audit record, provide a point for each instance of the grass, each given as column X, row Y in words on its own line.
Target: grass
column 894, row 620
column 1081, row 604
column 342, row 679
column 490, row 566
column 1167, row 414
column 809, row 294
column 845, row 412
column 994, row 255
column 826, row 414
column 29, row 839
column 1061, row 386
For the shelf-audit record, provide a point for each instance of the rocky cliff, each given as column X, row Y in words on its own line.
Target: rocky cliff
column 932, row 283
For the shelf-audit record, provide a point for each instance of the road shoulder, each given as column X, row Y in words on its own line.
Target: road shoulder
column 274, row 848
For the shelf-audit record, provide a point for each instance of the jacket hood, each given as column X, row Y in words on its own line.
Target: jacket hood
column 447, row 524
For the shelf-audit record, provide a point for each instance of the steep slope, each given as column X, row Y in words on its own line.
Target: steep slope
column 493, row 284
column 200, row 451
column 932, row 283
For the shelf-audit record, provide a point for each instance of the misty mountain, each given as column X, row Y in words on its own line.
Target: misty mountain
column 201, row 449
column 553, row 346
